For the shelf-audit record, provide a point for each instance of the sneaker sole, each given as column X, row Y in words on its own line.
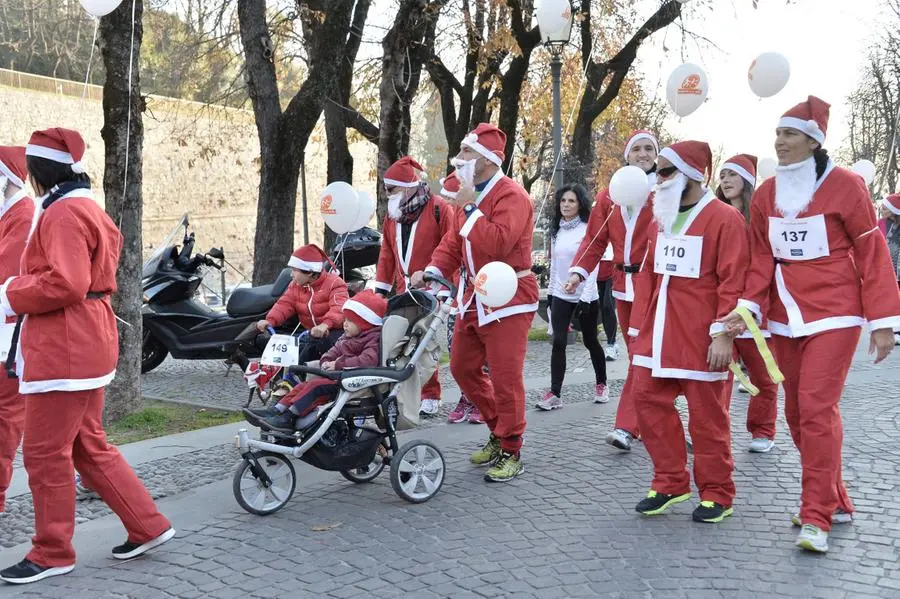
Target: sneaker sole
column 491, row 479
column 667, row 505
column 164, row 537
column 767, row 450
column 618, row 444
column 715, row 520
column 601, row 400
column 470, row 421
column 547, row 408
column 45, row 574
column 809, row 546
column 842, row 519
column 455, row 420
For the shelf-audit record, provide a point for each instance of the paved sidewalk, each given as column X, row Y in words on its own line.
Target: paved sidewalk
column 566, row 528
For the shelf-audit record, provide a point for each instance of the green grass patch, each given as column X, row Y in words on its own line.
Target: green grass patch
column 538, row 334
column 445, row 358
column 159, row 418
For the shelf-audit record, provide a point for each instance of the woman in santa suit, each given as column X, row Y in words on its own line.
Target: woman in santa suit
column 737, row 179
column 819, row 272
column 61, row 299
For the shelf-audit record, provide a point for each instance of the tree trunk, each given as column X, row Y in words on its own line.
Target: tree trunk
column 124, row 204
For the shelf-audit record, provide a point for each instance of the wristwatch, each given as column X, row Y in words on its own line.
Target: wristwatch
column 469, row 208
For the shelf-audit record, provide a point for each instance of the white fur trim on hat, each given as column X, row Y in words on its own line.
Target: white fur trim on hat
column 4, row 170
column 49, row 154
column 894, row 209
column 638, row 138
column 299, row 264
column 689, row 171
column 363, row 311
column 810, row 127
column 471, row 140
column 744, row 173
column 396, row 183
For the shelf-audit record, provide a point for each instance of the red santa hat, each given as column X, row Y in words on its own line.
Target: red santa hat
column 693, row 158
column 403, row 173
column 640, row 135
column 744, row 165
column 892, row 203
column 59, row 145
column 308, row 257
column 13, row 165
column 487, row 140
column 450, row 186
column 366, row 310
column 809, row 117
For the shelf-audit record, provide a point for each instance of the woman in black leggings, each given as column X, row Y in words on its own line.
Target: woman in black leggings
column 568, row 228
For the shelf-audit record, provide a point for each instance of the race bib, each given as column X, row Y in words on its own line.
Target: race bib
column 282, row 350
column 798, row 238
column 678, row 255
column 6, row 335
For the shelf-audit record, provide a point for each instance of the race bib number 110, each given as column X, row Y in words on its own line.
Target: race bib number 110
column 678, row 255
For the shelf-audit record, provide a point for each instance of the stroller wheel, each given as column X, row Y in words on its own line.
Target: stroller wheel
column 259, row 497
column 417, row 471
column 369, row 472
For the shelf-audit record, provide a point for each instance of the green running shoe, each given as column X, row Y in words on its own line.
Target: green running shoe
column 657, row 503
column 507, row 467
column 488, row 453
column 712, row 512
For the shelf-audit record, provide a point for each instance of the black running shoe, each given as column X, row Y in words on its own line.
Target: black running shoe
column 710, row 511
column 657, row 503
column 283, row 422
column 128, row 550
column 26, row 571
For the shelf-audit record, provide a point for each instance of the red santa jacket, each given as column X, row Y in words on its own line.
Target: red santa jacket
column 69, row 340
column 361, row 351
column 15, row 223
column 852, row 284
column 628, row 237
column 500, row 229
column 318, row 302
column 394, row 266
column 677, row 315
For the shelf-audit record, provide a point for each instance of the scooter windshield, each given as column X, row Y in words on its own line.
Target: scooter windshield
column 163, row 249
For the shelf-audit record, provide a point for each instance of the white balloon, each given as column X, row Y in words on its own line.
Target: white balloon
column 496, row 284
column 365, row 211
column 683, row 1
column 339, row 207
column 686, row 89
column 765, row 168
column 100, row 8
column 768, row 74
column 554, row 17
column 629, row 186
column 865, row 169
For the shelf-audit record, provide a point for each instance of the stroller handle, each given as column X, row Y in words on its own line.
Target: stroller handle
column 433, row 278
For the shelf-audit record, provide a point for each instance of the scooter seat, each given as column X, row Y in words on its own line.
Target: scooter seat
column 256, row 300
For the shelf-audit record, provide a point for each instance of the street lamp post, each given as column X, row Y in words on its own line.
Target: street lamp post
column 555, row 24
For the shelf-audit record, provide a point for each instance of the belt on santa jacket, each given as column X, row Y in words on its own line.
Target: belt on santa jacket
column 628, row 268
column 95, row 295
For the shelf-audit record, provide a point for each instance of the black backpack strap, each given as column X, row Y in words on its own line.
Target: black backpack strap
column 13, row 349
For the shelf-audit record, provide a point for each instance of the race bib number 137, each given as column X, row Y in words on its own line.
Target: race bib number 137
column 798, row 238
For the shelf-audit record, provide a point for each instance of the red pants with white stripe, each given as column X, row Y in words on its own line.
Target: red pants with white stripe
column 432, row 389
column 815, row 369
column 500, row 397
column 64, row 432
column 626, row 415
column 663, row 435
column 762, row 411
column 12, row 423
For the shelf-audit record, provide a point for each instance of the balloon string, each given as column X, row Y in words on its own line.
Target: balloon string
column 594, row 238
column 128, row 125
column 87, row 75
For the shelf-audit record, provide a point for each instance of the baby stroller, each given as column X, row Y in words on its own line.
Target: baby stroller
column 355, row 434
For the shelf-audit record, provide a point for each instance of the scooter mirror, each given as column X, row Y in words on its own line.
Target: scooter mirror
column 217, row 253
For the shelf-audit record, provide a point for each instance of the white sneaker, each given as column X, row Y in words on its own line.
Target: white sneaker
column 838, row 517
column 620, row 439
column 612, row 352
column 550, row 401
column 601, row 394
column 761, row 445
column 430, row 407
column 812, row 538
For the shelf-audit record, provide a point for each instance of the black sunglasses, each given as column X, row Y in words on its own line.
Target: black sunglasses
column 667, row 171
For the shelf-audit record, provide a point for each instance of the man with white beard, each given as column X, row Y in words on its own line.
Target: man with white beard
column 693, row 275
column 819, row 272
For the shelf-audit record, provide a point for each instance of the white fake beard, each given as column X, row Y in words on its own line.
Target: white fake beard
column 465, row 171
column 795, row 185
column 667, row 200
column 393, row 206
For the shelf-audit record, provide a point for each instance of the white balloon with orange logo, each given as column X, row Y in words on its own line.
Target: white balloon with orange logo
column 687, row 89
column 339, row 207
column 496, row 284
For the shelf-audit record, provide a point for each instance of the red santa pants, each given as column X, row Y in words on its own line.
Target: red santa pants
column 305, row 396
column 432, row 389
column 64, row 432
column 762, row 411
column 12, row 422
column 500, row 397
column 626, row 415
column 663, row 435
column 815, row 369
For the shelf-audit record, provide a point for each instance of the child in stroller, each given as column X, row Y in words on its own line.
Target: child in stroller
column 357, row 348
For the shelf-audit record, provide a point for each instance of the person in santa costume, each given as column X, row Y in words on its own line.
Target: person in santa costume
column 62, row 302
column 819, row 272
column 891, row 206
column 494, row 222
column 413, row 227
column 16, row 214
column 693, row 274
column 737, row 180
column 627, row 230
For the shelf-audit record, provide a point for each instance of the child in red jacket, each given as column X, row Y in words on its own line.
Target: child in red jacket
column 358, row 347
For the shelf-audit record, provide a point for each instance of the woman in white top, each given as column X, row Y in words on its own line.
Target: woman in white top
column 568, row 228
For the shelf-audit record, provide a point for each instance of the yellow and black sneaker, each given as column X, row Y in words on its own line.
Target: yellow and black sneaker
column 657, row 503
column 712, row 512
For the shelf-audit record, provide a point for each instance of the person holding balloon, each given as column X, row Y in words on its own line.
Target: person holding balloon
column 819, row 272
column 693, row 274
column 623, row 220
column 737, row 179
column 492, row 237
column 412, row 229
